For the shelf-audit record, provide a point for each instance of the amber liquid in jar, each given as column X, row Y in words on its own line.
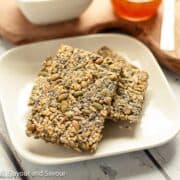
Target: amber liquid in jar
column 135, row 10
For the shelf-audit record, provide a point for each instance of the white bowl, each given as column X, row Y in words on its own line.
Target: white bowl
column 52, row 11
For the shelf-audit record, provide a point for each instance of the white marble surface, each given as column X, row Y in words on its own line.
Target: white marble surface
column 136, row 165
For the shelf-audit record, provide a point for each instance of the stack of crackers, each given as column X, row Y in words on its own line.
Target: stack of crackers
column 77, row 91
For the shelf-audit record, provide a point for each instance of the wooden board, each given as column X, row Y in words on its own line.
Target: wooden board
column 99, row 17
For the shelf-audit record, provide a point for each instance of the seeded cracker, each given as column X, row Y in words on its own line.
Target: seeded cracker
column 128, row 102
column 71, row 100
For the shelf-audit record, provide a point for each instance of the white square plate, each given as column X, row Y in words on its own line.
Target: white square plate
column 18, row 70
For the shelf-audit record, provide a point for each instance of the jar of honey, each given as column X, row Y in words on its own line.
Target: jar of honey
column 135, row 10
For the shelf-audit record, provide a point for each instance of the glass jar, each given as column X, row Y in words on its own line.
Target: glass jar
column 135, row 10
